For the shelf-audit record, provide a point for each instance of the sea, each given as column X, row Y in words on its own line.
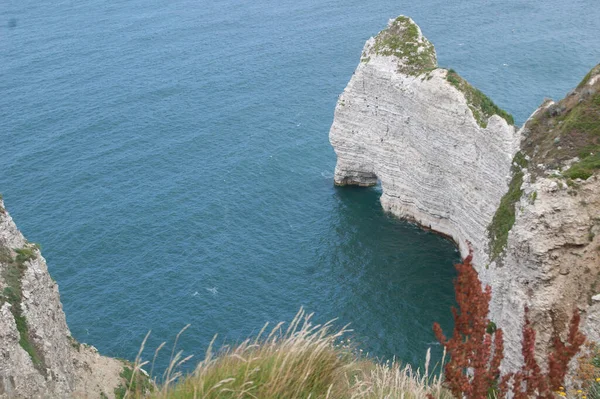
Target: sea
column 172, row 159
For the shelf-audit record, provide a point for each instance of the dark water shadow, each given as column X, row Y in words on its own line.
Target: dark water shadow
column 394, row 278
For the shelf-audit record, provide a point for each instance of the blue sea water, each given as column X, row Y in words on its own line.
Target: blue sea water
column 172, row 158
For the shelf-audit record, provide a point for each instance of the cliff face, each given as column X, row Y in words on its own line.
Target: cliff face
column 420, row 132
column 551, row 259
column 38, row 356
column 551, row 263
column 449, row 159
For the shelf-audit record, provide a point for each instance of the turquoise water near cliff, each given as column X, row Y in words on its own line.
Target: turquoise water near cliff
column 172, row 159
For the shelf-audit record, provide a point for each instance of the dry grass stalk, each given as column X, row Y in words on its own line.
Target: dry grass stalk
column 304, row 360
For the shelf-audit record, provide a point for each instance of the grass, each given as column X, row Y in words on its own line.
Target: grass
column 568, row 129
column 480, row 104
column 133, row 383
column 26, row 253
column 300, row 361
column 12, row 294
column 586, row 79
column 584, row 168
column 533, row 197
column 505, row 215
column 587, row 373
column 74, row 343
column 403, row 40
column 585, row 120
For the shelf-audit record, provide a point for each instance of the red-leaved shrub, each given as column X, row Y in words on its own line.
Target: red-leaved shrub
column 476, row 348
column 475, row 353
column 530, row 381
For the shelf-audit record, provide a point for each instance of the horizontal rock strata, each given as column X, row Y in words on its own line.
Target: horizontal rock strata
column 416, row 134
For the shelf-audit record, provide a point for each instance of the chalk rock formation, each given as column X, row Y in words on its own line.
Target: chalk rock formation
column 449, row 159
column 442, row 159
column 38, row 356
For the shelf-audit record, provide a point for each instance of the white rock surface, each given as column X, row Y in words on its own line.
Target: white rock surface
column 551, row 264
column 68, row 369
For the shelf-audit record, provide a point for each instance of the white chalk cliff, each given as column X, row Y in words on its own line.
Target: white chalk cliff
column 417, row 135
column 443, row 154
column 38, row 356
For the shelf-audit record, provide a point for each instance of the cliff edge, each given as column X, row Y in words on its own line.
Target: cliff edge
column 38, row 356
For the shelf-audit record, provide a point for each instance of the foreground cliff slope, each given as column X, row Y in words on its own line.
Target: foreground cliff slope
column 527, row 201
column 549, row 258
column 38, row 356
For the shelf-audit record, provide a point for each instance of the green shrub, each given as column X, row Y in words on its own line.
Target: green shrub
column 25, row 254
column 533, row 197
column 480, row 104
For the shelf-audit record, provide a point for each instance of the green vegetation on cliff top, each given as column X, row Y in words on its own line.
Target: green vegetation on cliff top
column 480, row 104
column 595, row 71
column 584, row 120
column 555, row 134
column 403, row 40
column 566, row 130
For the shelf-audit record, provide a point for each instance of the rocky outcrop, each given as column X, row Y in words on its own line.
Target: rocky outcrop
column 38, row 356
column 449, row 159
column 551, row 259
column 551, row 263
column 440, row 159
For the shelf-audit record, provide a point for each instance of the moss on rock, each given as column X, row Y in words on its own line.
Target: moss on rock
column 505, row 215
